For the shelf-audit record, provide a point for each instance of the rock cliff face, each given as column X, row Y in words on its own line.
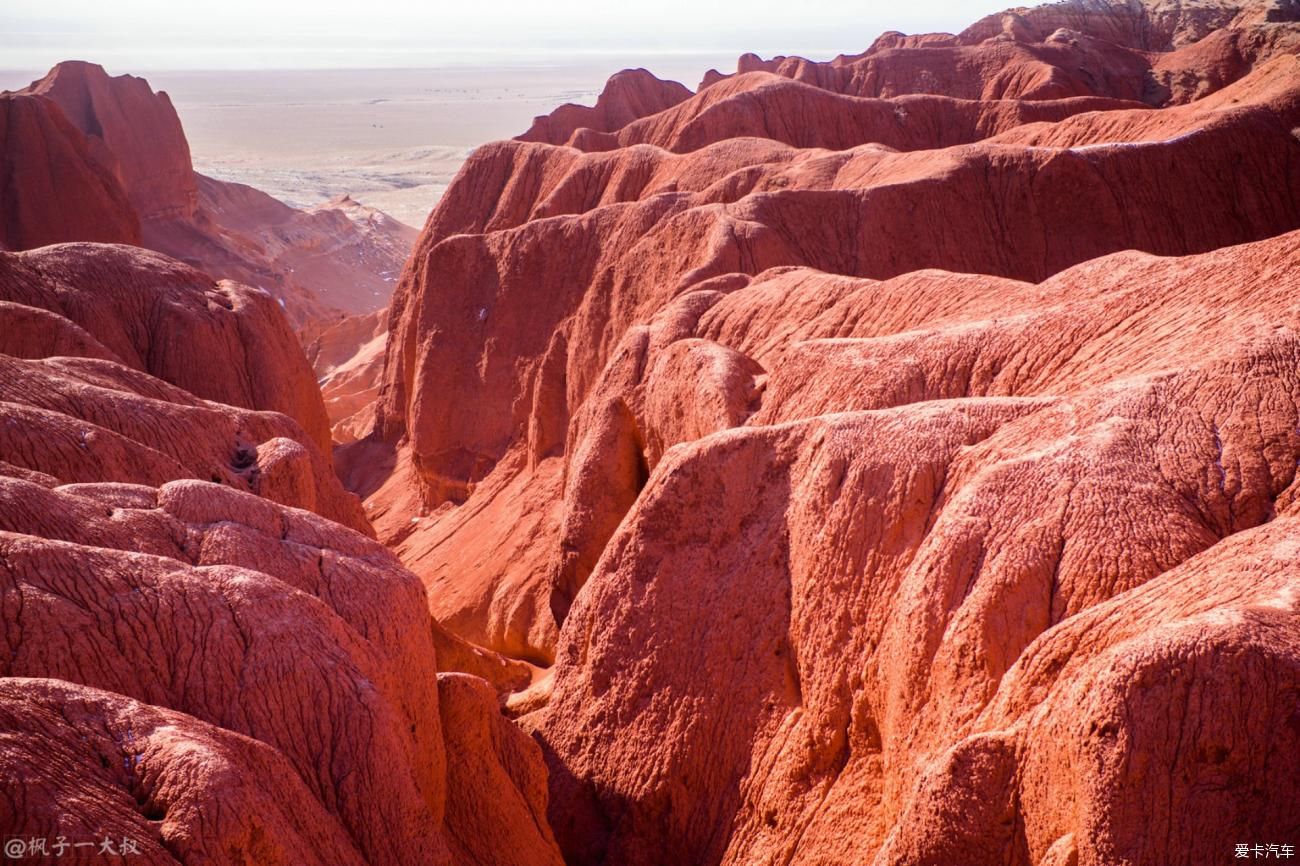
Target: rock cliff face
column 911, row 515
column 518, row 300
column 348, row 357
column 890, row 460
column 339, row 256
column 135, row 133
column 1159, row 52
column 206, row 654
column 51, row 189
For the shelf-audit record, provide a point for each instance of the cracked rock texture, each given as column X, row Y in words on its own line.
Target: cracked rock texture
column 218, row 340
column 203, row 653
column 890, row 460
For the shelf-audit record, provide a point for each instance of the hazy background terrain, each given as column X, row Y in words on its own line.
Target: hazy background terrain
column 384, row 100
column 294, row 34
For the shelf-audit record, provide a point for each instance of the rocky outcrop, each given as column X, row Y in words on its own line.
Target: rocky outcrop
column 348, row 358
column 1160, row 26
column 889, row 460
column 767, row 106
column 257, row 582
column 516, row 335
column 87, row 764
column 628, row 95
column 1109, row 48
column 338, row 256
column 496, row 780
column 207, row 658
column 51, row 189
column 135, row 133
column 955, row 463
column 219, row 341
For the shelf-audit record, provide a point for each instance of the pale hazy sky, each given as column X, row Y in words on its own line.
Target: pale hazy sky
column 137, row 35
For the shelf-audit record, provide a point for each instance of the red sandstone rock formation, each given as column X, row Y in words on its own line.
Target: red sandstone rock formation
column 135, row 133
column 1159, row 52
column 337, row 256
column 125, row 354
column 487, row 753
column 51, row 189
column 340, row 255
column 918, row 500
column 515, row 304
column 892, row 460
column 219, row 341
column 628, row 95
column 202, row 658
column 885, row 461
column 348, row 357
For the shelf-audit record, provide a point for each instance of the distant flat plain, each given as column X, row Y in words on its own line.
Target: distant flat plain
column 391, row 138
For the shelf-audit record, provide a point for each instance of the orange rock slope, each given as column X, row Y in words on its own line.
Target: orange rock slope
column 889, row 460
column 207, row 655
